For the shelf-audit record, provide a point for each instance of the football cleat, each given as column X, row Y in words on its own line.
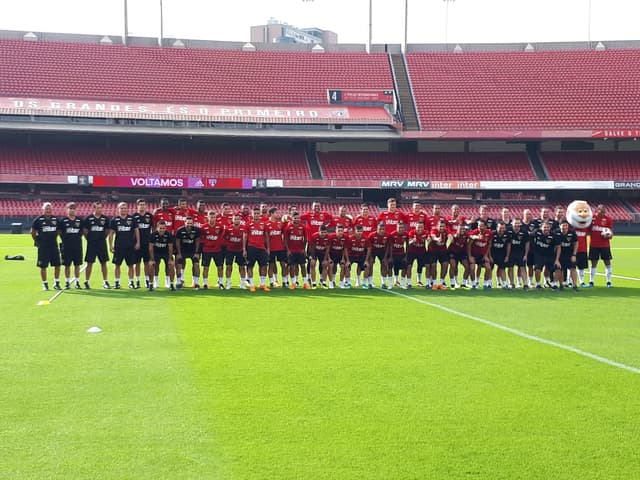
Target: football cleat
column 116, row 285
column 45, row 287
column 77, row 286
column 609, row 285
column 196, row 286
column 172, row 287
column 220, row 286
column 150, row 287
column 306, row 286
column 87, row 286
column 137, row 284
column 205, row 287
column 292, row 286
column 264, row 288
column 132, row 286
column 56, row 286
column 252, row 288
column 106, row 285
column 67, row 286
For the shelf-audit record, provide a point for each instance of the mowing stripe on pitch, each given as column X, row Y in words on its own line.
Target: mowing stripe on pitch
column 522, row 334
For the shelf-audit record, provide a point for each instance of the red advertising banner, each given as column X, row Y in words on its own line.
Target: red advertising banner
column 202, row 113
column 205, row 183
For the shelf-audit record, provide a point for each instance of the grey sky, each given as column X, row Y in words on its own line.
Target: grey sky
column 469, row 21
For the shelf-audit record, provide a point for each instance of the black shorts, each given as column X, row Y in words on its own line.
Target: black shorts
column 278, row 256
column 438, row 257
column 566, row 264
column 296, row 258
column 379, row 256
column 335, row 260
column 420, row 258
column 581, row 260
column 257, row 255
column 319, row 257
column 516, row 259
column 399, row 262
column 234, row 256
column 359, row 261
column 500, row 262
column 217, row 257
column 478, row 260
column 128, row 255
column 97, row 250
column 71, row 256
column 531, row 260
column 597, row 253
column 142, row 255
column 541, row 262
column 187, row 255
column 458, row 256
column 160, row 258
column 48, row 255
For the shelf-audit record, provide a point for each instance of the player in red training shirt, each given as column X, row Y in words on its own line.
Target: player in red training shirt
column 233, row 236
column 458, row 255
column 391, row 217
column 456, row 218
column 344, row 219
column 417, row 216
column 180, row 214
column 379, row 249
column 200, row 217
column 479, row 253
column 211, row 239
column 317, row 252
column 295, row 242
column 356, row 254
column 601, row 231
column 314, row 219
column 335, row 255
column 165, row 213
column 398, row 244
column 245, row 215
column 256, row 249
column 417, row 252
column 277, row 250
column 438, row 254
column 366, row 219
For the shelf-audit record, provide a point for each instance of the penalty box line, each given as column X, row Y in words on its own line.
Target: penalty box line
column 522, row 334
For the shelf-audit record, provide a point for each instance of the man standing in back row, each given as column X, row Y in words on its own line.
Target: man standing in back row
column 95, row 229
column 600, row 245
column 44, row 232
column 70, row 229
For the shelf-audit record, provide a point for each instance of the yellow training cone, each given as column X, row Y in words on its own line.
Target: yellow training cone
column 43, row 302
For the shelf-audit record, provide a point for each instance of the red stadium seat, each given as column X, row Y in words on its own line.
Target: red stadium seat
column 622, row 166
column 426, row 166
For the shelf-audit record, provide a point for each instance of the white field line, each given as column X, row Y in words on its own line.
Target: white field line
column 59, row 292
column 619, row 276
column 522, row 334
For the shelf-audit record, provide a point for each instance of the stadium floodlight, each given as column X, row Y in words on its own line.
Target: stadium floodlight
column 446, row 20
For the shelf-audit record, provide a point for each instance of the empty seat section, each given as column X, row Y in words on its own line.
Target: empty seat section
column 425, row 166
column 189, row 75
column 149, row 161
column 479, row 91
column 623, row 166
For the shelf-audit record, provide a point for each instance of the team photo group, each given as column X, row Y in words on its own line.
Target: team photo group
column 438, row 250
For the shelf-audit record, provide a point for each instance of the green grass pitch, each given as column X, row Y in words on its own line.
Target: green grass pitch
column 318, row 384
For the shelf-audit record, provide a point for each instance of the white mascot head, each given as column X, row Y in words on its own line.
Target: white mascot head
column 579, row 214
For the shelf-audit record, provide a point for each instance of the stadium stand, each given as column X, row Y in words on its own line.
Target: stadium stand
column 426, row 166
column 622, row 166
column 32, row 208
column 568, row 89
column 75, row 160
column 91, row 71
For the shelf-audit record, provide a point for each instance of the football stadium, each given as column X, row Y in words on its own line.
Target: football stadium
column 314, row 260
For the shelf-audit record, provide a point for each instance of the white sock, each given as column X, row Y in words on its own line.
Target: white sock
column 608, row 272
column 593, row 274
